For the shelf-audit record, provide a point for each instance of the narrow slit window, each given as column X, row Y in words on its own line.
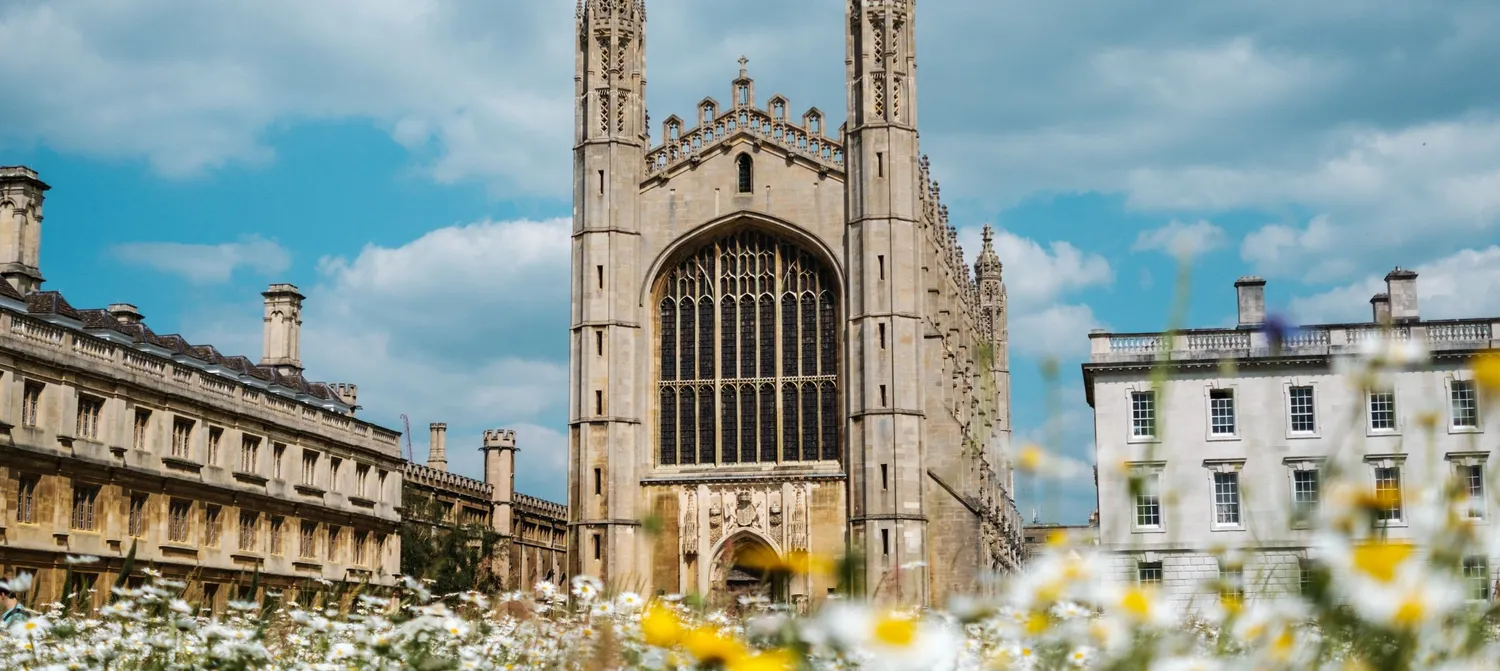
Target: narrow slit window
column 880, row 163
column 601, row 182
column 597, row 550
column 599, row 342
column 885, row 542
column 746, row 173
column 598, row 481
column 598, row 402
column 599, row 270
column 882, row 396
column 882, row 336
column 884, row 477
column 880, row 260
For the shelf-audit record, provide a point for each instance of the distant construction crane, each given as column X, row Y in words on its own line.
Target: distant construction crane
column 407, row 422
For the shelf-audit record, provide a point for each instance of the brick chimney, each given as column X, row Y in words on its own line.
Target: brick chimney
column 1380, row 308
column 1251, row 292
column 21, row 196
column 281, row 347
column 125, row 313
column 1401, row 284
column 437, row 448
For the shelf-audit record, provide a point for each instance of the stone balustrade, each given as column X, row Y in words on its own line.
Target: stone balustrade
column 1323, row 339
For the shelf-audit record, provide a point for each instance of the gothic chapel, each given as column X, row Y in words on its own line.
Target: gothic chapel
column 776, row 342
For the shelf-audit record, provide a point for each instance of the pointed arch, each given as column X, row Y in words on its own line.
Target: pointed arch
column 752, row 360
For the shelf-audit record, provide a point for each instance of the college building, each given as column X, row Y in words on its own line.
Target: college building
column 208, row 467
column 1231, row 448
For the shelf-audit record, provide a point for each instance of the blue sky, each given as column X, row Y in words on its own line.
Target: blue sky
column 406, row 164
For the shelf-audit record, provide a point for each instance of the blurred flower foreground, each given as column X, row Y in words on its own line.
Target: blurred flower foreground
column 1372, row 603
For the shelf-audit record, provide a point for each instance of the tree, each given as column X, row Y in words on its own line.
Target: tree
column 457, row 557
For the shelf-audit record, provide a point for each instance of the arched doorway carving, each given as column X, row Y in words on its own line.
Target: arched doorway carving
column 739, row 569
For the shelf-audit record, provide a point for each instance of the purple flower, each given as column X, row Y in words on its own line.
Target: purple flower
column 1277, row 329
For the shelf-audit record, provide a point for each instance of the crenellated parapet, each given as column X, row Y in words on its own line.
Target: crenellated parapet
column 433, row 478
column 716, row 125
column 540, row 507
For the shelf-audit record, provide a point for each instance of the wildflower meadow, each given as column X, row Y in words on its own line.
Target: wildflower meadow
column 1373, row 603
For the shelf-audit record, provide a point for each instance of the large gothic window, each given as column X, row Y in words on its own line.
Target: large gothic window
column 748, row 332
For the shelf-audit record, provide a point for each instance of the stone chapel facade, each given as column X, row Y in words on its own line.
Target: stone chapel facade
column 775, row 340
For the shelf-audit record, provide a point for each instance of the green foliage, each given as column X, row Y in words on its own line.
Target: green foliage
column 456, row 557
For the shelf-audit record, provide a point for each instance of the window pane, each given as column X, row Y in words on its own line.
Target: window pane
column 1227, row 498
column 1303, row 417
column 1383, row 410
column 1465, row 404
column 1221, row 411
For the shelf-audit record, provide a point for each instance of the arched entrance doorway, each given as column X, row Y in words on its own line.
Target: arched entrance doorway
column 740, row 569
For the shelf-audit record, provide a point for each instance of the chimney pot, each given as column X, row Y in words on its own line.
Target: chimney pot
column 281, row 347
column 125, row 313
column 437, row 448
column 1251, row 294
column 1380, row 308
column 1401, row 285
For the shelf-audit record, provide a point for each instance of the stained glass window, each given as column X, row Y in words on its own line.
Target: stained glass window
column 726, row 397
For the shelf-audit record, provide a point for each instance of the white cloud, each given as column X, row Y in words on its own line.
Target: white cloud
column 1462, row 285
column 465, row 325
column 1181, row 239
column 206, row 264
column 1056, row 331
column 1034, row 274
column 1069, row 436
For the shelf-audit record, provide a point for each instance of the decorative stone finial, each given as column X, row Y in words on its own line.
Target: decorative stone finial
column 743, row 63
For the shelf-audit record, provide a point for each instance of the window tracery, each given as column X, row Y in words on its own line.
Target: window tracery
column 725, row 395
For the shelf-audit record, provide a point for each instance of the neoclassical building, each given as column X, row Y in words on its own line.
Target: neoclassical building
column 776, row 342
column 214, row 468
column 1230, row 449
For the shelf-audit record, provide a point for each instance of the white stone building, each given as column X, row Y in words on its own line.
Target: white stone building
column 1235, row 440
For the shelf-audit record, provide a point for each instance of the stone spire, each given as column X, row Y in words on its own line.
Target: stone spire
column 987, row 266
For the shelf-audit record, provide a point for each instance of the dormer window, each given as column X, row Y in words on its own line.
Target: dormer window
column 746, row 173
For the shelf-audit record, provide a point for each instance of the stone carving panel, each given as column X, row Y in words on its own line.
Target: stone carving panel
column 690, row 524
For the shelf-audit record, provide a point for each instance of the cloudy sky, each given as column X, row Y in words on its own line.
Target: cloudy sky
column 406, row 162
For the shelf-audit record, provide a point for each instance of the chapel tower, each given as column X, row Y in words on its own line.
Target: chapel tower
column 776, row 344
column 884, row 259
column 609, row 152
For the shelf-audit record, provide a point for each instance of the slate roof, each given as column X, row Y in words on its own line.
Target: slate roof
column 53, row 303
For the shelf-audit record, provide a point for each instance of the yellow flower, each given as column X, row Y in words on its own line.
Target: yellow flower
column 712, row 648
column 895, row 631
column 1487, row 371
column 1036, row 623
column 770, row 660
column 1380, row 560
column 1136, row 602
column 1031, row 458
column 660, row 627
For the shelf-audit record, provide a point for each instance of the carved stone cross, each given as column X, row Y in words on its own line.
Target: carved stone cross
column 743, row 62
